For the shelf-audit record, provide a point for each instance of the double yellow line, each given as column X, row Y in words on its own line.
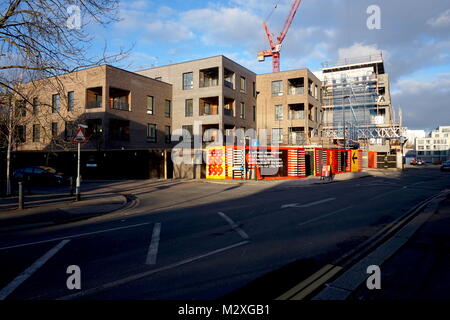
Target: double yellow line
column 309, row 285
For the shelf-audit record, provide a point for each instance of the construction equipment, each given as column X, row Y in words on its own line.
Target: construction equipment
column 275, row 47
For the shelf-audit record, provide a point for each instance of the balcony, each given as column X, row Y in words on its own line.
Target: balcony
column 94, row 97
column 296, row 86
column 296, row 111
column 228, row 77
column 118, row 99
column 228, row 108
column 209, row 77
column 209, row 106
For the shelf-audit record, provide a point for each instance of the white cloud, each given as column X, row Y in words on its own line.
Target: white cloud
column 168, row 31
column 359, row 50
column 443, row 20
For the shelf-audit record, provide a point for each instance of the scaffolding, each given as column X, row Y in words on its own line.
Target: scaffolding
column 356, row 102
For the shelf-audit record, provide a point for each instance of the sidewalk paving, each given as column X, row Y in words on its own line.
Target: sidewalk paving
column 420, row 270
column 90, row 206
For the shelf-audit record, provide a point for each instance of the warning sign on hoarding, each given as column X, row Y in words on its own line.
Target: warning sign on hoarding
column 354, row 161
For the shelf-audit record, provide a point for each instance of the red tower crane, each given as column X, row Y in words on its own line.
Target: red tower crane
column 275, row 48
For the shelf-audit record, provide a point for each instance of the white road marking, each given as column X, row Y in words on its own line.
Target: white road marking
column 233, row 225
column 6, row 291
column 306, row 205
column 154, row 244
column 324, row 216
column 148, row 273
column 74, row 236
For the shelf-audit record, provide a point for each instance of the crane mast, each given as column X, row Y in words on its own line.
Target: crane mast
column 275, row 47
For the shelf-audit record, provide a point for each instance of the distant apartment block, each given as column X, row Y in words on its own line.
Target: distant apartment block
column 216, row 91
column 436, row 147
column 289, row 107
column 123, row 110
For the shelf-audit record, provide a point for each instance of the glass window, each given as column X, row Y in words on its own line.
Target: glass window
column 188, row 81
column 277, row 135
column 69, row 130
column 168, row 134
column 279, row 112
column 70, row 101
column 167, row 108
column 242, row 111
column 151, row 132
column 56, row 103
column 188, row 133
column 277, row 88
column 35, row 105
column 20, row 134
column 150, row 105
column 36, row 133
column 243, row 85
column 254, row 113
column 54, row 129
column 189, row 108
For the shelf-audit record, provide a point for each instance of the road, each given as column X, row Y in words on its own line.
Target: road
column 197, row 240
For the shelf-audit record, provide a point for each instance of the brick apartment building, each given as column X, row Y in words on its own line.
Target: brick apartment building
column 216, row 91
column 122, row 109
column 289, row 107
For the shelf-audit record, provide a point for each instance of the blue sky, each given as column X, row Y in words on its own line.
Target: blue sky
column 414, row 37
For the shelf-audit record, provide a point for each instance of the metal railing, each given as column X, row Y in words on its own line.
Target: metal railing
column 93, row 104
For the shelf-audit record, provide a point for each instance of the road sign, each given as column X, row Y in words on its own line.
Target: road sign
column 79, row 136
column 355, row 163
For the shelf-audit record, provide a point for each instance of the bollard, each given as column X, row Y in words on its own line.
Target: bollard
column 72, row 187
column 20, row 195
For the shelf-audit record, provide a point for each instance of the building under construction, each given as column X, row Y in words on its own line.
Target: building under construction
column 357, row 104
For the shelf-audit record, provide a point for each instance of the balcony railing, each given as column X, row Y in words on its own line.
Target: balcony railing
column 93, row 104
column 228, row 112
column 120, row 105
column 228, row 84
column 296, row 115
column 296, row 90
column 206, row 83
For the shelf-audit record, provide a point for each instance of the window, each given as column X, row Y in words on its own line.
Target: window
column 279, row 112
column 120, row 103
column 243, row 85
column 150, row 105
column 54, row 129
column 69, row 130
column 254, row 89
column 277, row 88
column 167, row 108
column 242, row 111
column 70, row 101
column 207, row 108
column 168, row 134
column 21, row 110
column 35, row 105
column 151, row 133
column 254, row 113
column 56, row 103
column 188, row 133
column 20, row 134
column 188, row 81
column 189, row 108
column 277, row 135
column 36, row 133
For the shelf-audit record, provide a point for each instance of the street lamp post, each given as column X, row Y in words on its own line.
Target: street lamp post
column 78, row 181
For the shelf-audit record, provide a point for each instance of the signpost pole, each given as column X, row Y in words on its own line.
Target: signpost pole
column 77, row 188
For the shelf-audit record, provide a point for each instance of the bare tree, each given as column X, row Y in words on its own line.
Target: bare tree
column 44, row 39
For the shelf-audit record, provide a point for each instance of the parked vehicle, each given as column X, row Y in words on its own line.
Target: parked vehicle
column 417, row 162
column 446, row 166
column 39, row 175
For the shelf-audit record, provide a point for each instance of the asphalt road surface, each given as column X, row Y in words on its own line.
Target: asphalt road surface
column 196, row 240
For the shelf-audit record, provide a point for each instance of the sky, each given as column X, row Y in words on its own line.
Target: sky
column 414, row 37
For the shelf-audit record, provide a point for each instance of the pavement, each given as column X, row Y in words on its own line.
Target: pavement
column 194, row 240
column 420, row 269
